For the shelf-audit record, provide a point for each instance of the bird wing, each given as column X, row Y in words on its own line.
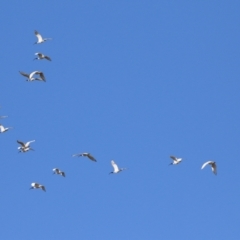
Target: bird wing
column 28, row 143
column 38, row 35
column 41, row 75
column 173, row 158
column 63, row 174
column 48, row 58
column 32, row 73
column 77, row 155
column 43, row 188
column 21, row 143
column 39, row 54
column 91, row 157
column 214, row 168
column 115, row 166
column 205, row 164
column 24, row 74
column 2, row 128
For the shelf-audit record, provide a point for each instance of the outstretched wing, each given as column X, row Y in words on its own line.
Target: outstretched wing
column 38, row 35
column 173, row 158
column 24, row 74
column 115, row 166
column 28, row 143
column 205, row 164
column 21, row 143
column 214, row 168
column 91, row 157
column 48, row 58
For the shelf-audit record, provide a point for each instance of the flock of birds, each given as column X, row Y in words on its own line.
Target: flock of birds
column 25, row 147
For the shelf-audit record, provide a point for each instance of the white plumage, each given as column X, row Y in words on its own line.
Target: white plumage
column 116, row 169
column 3, row 129
column 40, row 39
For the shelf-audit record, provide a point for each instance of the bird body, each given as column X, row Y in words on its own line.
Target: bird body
column 85, row 155
column 25, row 146
column 212, row 164
column 116, row 169
column 30, row 77
column 175, row 160
column 3, row 129
column 40, row 39
column 37, row 185
column 41, row 56
column 58, row 171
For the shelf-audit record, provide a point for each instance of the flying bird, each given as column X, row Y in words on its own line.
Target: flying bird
column 85, row 155
column 58, row 171
column 41, row 56
column 175, row 160
column 37, row 185
column 116, row 169
column 3, row 129
column 40, row 39
column 212, row 164
column 31, row 78
column 25, row 146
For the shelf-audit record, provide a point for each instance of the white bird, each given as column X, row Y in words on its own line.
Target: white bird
column 85, row 155
column 41, row 56
column 40, row 38
column 175, row 160
column 116, row 169
column 31, row 78
column 212, row 164
column 58, row 171
column 25, row 146
column 3, row 129
column 37, row 185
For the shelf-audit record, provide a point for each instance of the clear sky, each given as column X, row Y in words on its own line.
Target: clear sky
column 134, row 81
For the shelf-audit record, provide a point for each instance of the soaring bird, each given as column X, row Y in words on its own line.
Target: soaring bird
column 41, row 56
column 213, row 166
column 31, row 78
column 85, row 155
column 25, row 146
column 40, row 38
column 58, row 171
column 3, row 129
column 175, row 160
column 116, row 169
column 37, row 185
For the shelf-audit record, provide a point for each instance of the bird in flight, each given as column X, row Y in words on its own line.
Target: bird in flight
column 116, row 169
column 212, row 164
column 175, row 160
column 25, row 146
column 40, row 39
column 41, row 56
column 3, row 129
column 58, row 171
column 31, row 78
column 85, row 155
column 37, row 185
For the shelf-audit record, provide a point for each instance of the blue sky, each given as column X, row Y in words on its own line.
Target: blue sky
column 133, row 81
